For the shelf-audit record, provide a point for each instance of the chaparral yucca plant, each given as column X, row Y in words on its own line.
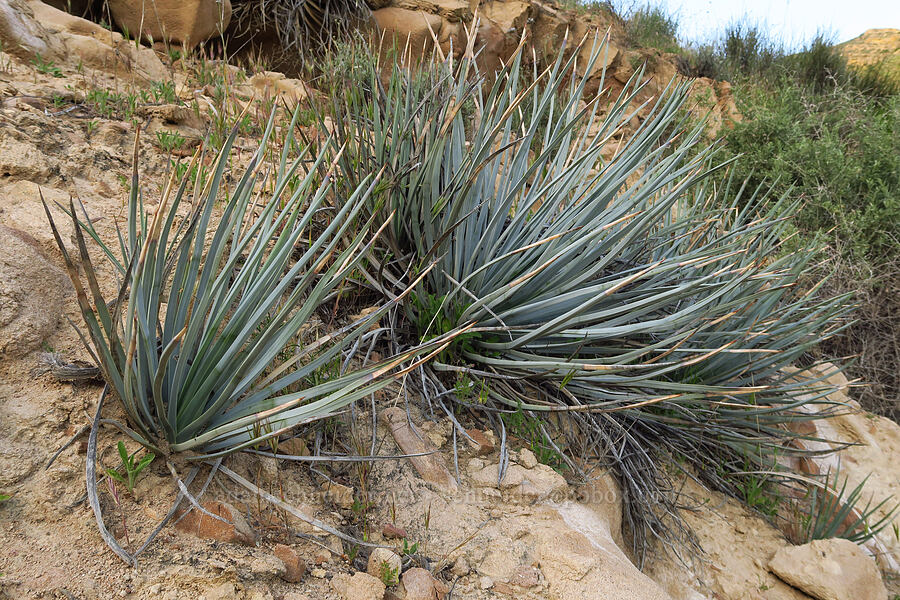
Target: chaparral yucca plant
column 833, row 512
column 201, row 344
column 612, row 274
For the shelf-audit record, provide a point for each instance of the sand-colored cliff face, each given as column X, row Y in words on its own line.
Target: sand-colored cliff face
column 873, row 47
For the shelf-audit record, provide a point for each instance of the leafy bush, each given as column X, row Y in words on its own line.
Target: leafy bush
column 644, row 297
column 819, row 66
column 652, row 27
column 699, row 61
column 838, row 150
column 745, row 54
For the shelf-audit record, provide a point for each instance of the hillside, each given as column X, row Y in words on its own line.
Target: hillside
column 874, row 47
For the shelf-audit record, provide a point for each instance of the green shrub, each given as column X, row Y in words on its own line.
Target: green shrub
column 839, row 151
column 652, row 27
column 746, row 50
column 819, row 67
column 699, row 61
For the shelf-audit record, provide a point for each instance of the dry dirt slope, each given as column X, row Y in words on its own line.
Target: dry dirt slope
column 534, row 536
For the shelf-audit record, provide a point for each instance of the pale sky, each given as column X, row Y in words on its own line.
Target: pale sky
column 792, row 21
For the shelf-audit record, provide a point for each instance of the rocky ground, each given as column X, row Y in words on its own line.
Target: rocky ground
column 447, row 528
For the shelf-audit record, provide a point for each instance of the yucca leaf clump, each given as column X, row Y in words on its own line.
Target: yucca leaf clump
column 202, row 343
column 611, row 273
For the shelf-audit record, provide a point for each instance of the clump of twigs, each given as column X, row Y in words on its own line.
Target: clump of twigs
column 300, row 25
column 64, row 370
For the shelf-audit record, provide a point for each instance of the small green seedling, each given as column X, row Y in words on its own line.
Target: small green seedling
column 169, row 140
column 46, row 66
column 389, row 576
column 5, row 497
column 132, row 468
column 409, row 549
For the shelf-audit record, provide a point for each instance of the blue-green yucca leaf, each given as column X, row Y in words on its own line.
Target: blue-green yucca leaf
column 214, row 295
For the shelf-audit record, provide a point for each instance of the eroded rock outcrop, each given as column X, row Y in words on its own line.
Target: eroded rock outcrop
column 32, row 30
column 834, row 569
column 182, row 22
column 32, row 293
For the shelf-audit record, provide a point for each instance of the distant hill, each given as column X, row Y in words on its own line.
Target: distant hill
column 873, row 47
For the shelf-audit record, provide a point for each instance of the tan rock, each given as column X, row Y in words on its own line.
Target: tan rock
column 32, row 293
column 391, row 531
column 493, row 45
column 511, row 16
column 460, row 567
column 409, row 28
column 81, row 41
column 235, row 531
column 519, row 483
column 187, row 22
column 453, row 10
column 430, row 466
column 339, row 495
column 21, row 210
column 602, row 494
column 22, row 35
column 267, row 567
column 419, row 584
column 295, row 446
column 294, row 566
column 482, row 444
column 833, row 569
column 272, row 86
column 549, row 27
column 526, row 576
column 527, row 458
column 576, row 555
column 361, row 586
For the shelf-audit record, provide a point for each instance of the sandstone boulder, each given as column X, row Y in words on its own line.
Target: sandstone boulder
column 38, row 28
column 21, row 209
column 274, row 87
column 294, row 566
column 32, row 293
column 834, row 569
column 409, row 28
column 21, row 34
column 419, row 585
column 521, row 484
column 188, row 22
column 361, row 586
column 234, row 529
